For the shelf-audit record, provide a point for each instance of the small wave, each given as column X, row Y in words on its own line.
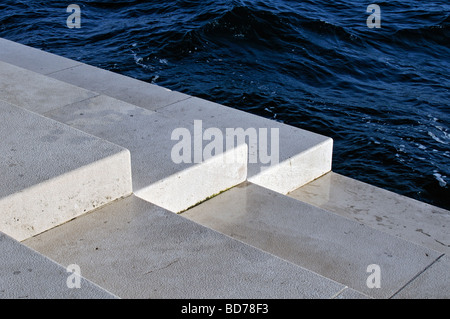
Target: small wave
column 140, row 61
column 437, row 139
column 440, row 179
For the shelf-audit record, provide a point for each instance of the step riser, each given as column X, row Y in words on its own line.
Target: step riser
column 194, row 185
column 52, row 203
column 298, row 170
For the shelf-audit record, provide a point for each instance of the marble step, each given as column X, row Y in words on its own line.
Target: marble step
column 26, row 274
column 135, row 249
column 52, row 173
column 323, row 242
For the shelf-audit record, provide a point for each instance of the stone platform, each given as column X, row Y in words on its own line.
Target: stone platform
column 90, row 180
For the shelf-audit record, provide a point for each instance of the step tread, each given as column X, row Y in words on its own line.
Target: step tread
column 36, row 92
column 124, row 88
column 434, row 283
column 33, row 59
column 380, row 209
column 26, row 274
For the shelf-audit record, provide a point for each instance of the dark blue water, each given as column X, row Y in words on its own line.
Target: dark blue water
column 381, row 94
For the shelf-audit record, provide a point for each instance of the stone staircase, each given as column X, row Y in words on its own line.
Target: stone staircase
column 89, row 180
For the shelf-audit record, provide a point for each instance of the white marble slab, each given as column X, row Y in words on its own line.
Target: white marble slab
column 52, row 173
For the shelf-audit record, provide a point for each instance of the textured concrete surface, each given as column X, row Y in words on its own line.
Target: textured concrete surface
column 52, row 173
column 33, row 59
column 434, row 283
column 315, row 239
column 123, row 88
column 137, row 250
column 380, row 209
column 303, row 155
column 26, row 274
column 37, row 92
column 156, row 177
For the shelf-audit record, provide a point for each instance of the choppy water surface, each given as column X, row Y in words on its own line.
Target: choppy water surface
column 381, row 94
